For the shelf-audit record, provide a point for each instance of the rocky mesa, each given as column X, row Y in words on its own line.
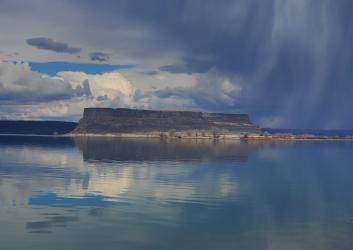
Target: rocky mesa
column 151, row 123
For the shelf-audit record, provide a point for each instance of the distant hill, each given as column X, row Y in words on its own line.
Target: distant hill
column 36, row 127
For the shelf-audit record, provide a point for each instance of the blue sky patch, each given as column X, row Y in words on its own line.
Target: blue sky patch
column 52, row 68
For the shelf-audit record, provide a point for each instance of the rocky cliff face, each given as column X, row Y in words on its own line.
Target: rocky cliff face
column 115, row 121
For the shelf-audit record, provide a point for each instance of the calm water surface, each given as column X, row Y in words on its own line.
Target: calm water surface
column 60, row 193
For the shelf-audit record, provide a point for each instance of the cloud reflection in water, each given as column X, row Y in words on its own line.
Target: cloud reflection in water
column 175, row 194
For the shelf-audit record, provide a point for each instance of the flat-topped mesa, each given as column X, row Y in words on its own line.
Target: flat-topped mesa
column 124, row 121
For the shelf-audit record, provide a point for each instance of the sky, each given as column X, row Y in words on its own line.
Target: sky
column 287, row 63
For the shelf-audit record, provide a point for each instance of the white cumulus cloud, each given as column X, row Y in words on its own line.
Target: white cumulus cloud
column 25, row 94
column 107, row 86
column 20, row 85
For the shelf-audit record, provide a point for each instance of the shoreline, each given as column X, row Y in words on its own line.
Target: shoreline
column 162, row 136
column 240, row 137
column 303, row 137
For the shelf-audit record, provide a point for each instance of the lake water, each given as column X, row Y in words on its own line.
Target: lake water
column 60, row 193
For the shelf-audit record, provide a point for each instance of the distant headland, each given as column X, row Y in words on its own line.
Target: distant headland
column 28, row 127
column 124, row 122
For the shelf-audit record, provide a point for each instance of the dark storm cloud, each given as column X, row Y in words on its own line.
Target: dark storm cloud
column 189, row 66
column 99, row 56
column 295, row 57
column 228, row 33
column 49, row 44
column 150, row 73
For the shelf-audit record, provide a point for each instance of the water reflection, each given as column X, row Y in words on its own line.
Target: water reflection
column 156, row 150
column 45, row 226
column 89, row 193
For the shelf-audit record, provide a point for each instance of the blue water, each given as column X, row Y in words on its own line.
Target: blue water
column 60, row 193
